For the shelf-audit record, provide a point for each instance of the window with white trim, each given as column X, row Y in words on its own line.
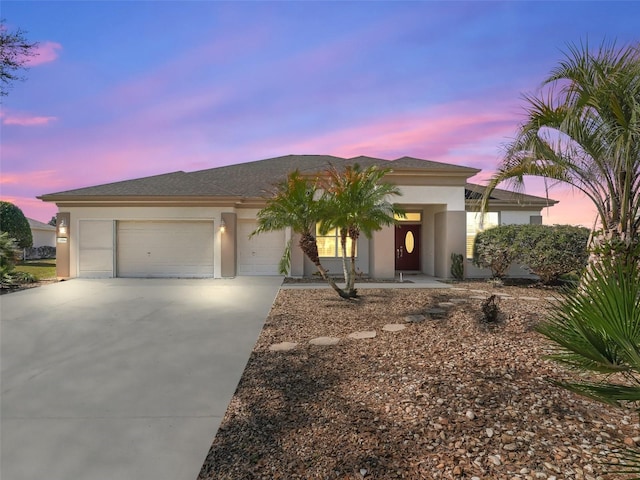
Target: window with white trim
column 476, row 223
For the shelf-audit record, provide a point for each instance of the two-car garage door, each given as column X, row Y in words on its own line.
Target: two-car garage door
column 164, row 249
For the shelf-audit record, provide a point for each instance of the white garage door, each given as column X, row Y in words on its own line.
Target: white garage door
column 260, row 254
column 165, row 249
column 95, row 248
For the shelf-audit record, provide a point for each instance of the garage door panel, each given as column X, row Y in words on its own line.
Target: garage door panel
column 165, row 249
column 95, row 248
column 260, row 254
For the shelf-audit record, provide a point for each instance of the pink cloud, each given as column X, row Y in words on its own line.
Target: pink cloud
column 45, row 52
column 25, row 120
column 456, row 133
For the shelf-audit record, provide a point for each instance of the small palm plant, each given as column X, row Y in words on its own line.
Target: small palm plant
column 597, row 329
column 296, row 203
column 358, row 202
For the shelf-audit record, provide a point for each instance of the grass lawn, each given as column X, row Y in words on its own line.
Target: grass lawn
column 42, row 269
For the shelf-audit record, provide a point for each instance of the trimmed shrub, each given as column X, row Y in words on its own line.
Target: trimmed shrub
column 457, row 266
column 493, row 249
column 13, row 221
column 552, row 251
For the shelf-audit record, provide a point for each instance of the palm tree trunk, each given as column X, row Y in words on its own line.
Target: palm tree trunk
column 343, row 254
column 353, row 234
column 310, row 248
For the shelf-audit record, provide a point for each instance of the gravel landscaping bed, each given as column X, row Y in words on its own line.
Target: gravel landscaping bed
column 445, row 397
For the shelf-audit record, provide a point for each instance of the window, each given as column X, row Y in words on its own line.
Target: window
column 409, row 217
column 329, row 244
column 477, row 222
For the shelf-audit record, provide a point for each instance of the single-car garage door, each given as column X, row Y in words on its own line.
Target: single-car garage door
column 165, row 249
column 260, row 254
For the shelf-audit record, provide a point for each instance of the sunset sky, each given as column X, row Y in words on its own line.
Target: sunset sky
column 126, row 89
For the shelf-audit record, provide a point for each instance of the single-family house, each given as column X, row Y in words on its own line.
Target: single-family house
column 198, row 224
column 44, row 235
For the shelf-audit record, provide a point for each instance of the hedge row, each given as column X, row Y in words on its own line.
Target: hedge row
column 544, row 250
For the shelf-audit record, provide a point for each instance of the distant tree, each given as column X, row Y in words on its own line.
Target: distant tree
column 15, row 50
column 13, row 221
column 54, row 221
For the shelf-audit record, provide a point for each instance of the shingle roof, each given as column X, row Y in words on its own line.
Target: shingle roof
column 39, row 225
column 250, row 179
column 475, row 192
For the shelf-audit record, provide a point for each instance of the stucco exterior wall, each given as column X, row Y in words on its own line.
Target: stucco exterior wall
column 43, row 238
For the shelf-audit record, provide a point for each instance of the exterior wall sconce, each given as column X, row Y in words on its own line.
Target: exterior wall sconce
column 223, row 226
column 62, row 228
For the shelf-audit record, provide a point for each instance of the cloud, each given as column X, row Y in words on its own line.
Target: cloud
column 25, row 120
column 45, row 52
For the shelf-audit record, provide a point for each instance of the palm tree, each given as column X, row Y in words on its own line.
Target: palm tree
column 597, row 329
column 357, row 202
column 297, row 203
column 584, row 130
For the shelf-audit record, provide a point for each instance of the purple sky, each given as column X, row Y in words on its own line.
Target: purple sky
column 126, row 89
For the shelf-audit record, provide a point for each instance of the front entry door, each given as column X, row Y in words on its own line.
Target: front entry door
column 407, row 247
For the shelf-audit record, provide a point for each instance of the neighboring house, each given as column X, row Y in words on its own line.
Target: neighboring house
column 43, row 235
column 198, row 224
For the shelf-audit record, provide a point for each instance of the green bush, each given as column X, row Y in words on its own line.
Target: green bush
column 493, row 249
column 8, row 253
column 13, row 221
column 552, row 251
column 457, row 266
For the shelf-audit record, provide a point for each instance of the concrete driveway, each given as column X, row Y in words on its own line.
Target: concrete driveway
column 122, row 378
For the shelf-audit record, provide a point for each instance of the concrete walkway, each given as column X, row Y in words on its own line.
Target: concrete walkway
column 122, row 378
column 409, row 281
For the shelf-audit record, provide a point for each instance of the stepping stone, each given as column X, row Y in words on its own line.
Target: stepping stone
column 458, row 301
column 478, row 291
column 414, row 318
column 324, row 341
column 393, row 327
column 503, row 295
column 478, row 297
column 458, row 289
column 364, row 334
column 282, row 347
column 436, row 312
column 529, row 298
column 446, row 304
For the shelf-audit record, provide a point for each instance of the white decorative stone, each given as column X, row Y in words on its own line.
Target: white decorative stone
column 393, row 327
column 363, row 334
column 457, row 301
column 324, row 341
column 446, row 304
column 282, row 347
